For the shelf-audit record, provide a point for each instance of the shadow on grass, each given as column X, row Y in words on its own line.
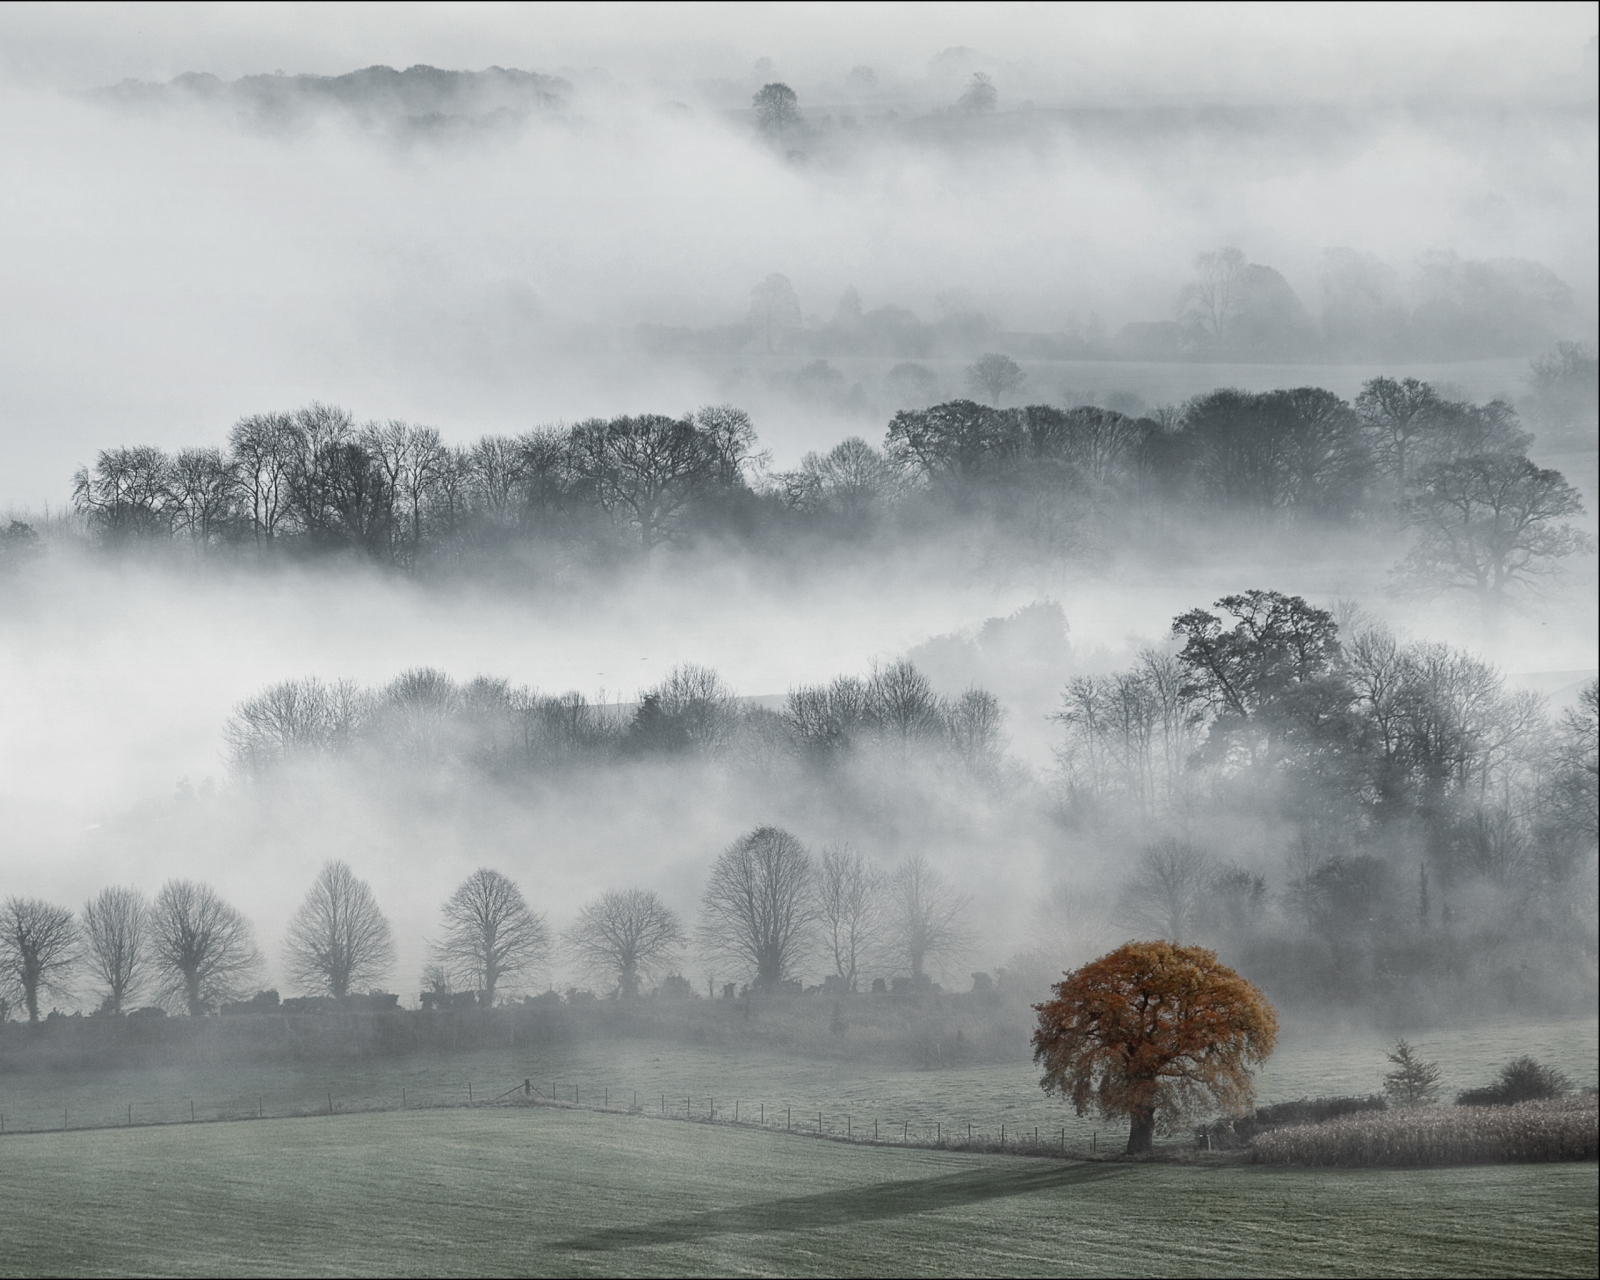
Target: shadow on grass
column 841, row 1208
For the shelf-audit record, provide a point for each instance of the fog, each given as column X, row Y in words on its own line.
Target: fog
column 172, row 267
column 175, row 259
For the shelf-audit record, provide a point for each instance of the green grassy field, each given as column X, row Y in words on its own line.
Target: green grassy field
column 551, row 1192
column 1311, row 1060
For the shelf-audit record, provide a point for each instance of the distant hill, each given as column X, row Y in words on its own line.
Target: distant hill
column 418, row 100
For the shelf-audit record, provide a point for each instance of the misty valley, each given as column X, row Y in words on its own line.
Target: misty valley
column 654, row 661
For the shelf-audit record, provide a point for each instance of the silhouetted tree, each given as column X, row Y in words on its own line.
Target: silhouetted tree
column 202, row 951
column 1488, row 524
column 338, row 939
column 1165, row 892
column 628, row 937
column 925, row 918
column 850, row 908
column 777, row 107
column 39, row 945
column 116, row 928
column 644, row 471
column 759, row 905
column 490, row 934
column 997, row 374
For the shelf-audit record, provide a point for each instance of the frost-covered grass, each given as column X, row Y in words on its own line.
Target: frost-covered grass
column 1557, row 1129
column 543, row 1191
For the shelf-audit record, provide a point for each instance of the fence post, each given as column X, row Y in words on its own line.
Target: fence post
column 402, row 1099
column 736, row 1111
column 819, row 1122
column 191, row 1108
column 847, row 1129
column 874, row 1130
column 130, row 1113
column 607, row 1101
column 905, row 1131
column 330, row 1107
column 63, row 1117
column 469, row 1091
column 938, row 1134
column 663, row 1104
column 788, row 1118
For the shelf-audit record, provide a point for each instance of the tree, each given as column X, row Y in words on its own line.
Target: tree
column 957, row 440
column 1165, row 892
column 979, row 96
column 116, row 929
column 774, row 310
column 777, row 108
column 490, row 934
column 203, row 485
column 264, row 448
column 1210, row 304
column 1153, row 1031
column 628, row 937
column 338, row 939
column 758, row 906
column 1265, row 676
column 926, row 918
column 128, row 495
column 1395, row 415
column 850, row 904
column 997, row 374
column 1413, row 1082
column 644, row 470
column 38, row 947
column 1488, row 524
column 202, row 950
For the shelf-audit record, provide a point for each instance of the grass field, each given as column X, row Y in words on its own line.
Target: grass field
column 1311, row 1061
column 550, row 1192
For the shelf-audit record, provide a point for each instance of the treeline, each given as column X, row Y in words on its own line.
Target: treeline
column 770, row 913
column 1427, row 819
column 314, row 481
column 428, row 720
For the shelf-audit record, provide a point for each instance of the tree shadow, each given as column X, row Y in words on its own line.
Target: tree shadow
column 841, row 1208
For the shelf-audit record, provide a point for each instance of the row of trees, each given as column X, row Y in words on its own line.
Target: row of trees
column 1485, row 517
column 769, row 909
column 426, row 719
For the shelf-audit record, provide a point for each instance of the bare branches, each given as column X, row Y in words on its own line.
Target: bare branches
column 338, row 939
column 926, row 918
column 202, row 950
column 491, row 937
column 1164, row 894
column 38, row 947
column 758, row 906
column 626, row 937
column 850, row 908
column 116, row 929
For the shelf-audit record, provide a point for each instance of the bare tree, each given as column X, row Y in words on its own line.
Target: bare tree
column 1488, row 524
column 926, row 918
column 38, row 947
column 1165, row 891
column 264, row 449
column 338, row 939
column 644, row 471
column 777, row 107
column 202, row 950
column 490, row 934
column 297, row 716
column 116, row 929
column 628, row 937
column 850, row 908
column 1211, row 303
column 997, row 374
column 758, row 906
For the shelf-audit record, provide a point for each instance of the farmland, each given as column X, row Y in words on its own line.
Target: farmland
column 546, row 1191
column 1312, row 1060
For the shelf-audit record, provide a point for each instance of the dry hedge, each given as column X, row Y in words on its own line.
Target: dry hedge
column 1557, row 1129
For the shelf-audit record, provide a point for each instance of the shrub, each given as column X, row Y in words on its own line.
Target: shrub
column 1553, row 1129
column 1521, row 1081
column 1235, row 1133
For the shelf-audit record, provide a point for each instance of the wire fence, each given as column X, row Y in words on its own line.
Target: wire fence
column 833, row 1124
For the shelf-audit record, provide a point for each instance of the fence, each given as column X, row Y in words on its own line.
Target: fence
column 833, row 1125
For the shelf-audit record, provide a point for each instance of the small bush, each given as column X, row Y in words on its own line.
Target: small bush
column 1554, row 1129
column 1228, row 1135
column 1521, row 1081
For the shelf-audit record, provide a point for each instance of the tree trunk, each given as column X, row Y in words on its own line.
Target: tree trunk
column 1141, row 1132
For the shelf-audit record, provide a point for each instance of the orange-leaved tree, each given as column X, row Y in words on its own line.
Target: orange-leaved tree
column 1153, row 1031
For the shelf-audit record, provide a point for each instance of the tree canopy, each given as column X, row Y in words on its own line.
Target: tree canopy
column 1152, row 1032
